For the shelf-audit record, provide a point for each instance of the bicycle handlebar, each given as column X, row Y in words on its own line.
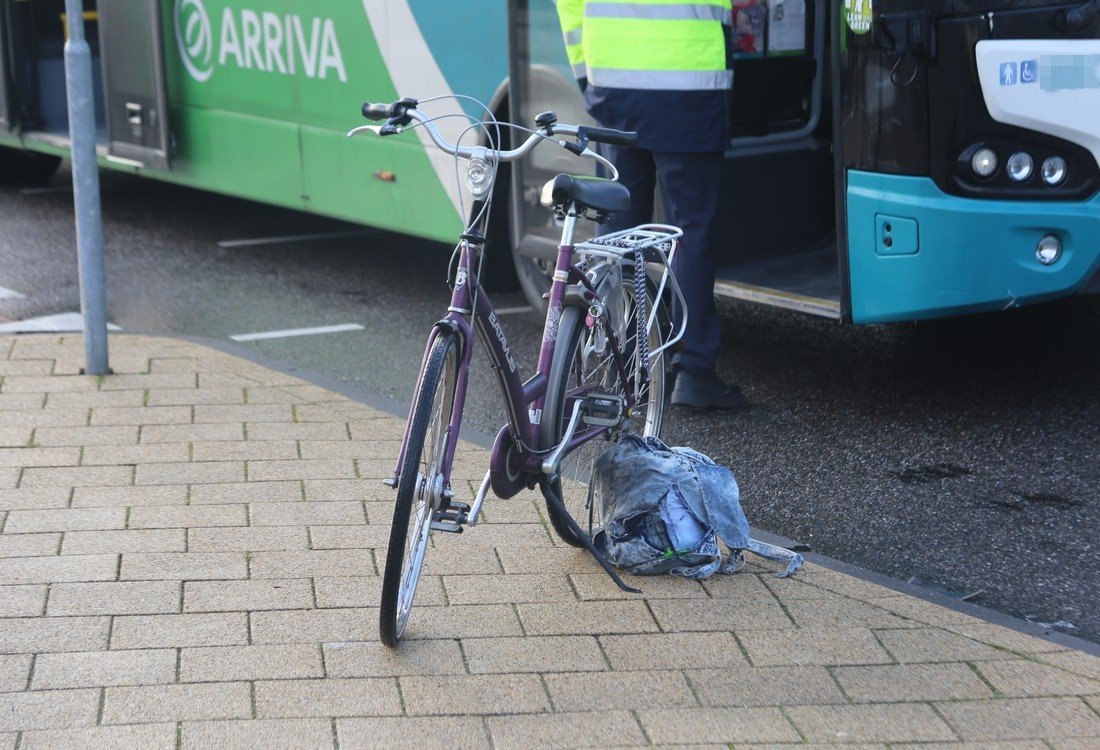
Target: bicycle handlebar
column 404, row 111
column 377, row 111
column 396, row 111
column 612, row 137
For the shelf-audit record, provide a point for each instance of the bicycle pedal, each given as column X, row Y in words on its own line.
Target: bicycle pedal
column 452, row 519
column 603, row 409
column 451, row 528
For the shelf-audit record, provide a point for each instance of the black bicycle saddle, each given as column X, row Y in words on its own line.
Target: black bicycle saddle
column 596, row 193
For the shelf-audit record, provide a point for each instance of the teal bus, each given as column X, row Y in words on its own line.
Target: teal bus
column 888, row 160
column 881, row 167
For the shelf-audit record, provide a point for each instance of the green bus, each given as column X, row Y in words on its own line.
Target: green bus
column 889, row 160
column 253, row 98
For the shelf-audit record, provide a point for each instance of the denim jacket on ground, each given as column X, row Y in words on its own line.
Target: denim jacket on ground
column 665, row 508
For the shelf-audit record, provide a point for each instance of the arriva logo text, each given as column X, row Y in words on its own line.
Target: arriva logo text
column 257, row 41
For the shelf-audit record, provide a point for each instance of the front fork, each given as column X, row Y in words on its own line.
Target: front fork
column 452, row 324
column 455, row 323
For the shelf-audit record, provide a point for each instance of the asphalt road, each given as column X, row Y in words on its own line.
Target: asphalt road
column 964, row 452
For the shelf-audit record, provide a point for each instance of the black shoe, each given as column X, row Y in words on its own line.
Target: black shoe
column 706, row 392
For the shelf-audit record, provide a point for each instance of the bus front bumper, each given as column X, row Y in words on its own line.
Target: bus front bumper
column 916, row 252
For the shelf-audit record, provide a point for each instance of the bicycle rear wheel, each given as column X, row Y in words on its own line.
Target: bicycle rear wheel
column 420, row 487
column 583, row 365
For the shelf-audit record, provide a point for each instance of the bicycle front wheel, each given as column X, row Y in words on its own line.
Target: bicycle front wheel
column 583, row 365
column 420, row 487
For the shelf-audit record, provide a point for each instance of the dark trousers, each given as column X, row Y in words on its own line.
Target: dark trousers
column 689, row 185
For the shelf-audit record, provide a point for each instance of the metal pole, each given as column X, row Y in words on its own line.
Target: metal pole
column 89, row 223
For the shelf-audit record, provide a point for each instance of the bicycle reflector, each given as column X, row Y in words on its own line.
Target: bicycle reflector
column 479, row 177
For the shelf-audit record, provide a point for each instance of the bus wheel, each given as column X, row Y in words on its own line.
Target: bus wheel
column 535, row 276
column 26, row 167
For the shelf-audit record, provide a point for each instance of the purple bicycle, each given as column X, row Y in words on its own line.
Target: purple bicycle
column 601, row 366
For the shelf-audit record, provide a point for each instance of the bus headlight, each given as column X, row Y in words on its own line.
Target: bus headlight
column 1019, row 166
column 984, row 162
column 1049, row 250
column 479, row 177
column 1054, row 170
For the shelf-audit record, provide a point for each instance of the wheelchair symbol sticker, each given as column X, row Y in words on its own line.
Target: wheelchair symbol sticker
column 1008, row 74
column 1029, row 71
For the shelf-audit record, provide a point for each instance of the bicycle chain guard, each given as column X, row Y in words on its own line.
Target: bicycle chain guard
column 505, row 476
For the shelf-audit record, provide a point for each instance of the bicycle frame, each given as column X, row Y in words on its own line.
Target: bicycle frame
column 523, row 400
column 522, row 455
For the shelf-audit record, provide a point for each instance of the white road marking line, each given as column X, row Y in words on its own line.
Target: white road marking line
column 296, row 332
column 62, row 322
column 10, row 294
column 294, row 238
column 513, row 310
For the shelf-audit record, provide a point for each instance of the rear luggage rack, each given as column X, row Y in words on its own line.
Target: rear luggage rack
column 657, row 244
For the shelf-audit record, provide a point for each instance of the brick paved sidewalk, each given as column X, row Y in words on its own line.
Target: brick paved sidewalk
column 191, row 552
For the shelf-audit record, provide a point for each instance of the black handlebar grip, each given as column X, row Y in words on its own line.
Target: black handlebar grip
column 377, row 111
column 612, row 137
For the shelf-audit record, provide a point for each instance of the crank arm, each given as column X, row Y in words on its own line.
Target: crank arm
column 471, row 520
column 551, row 463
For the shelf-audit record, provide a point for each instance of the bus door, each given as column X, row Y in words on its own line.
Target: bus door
column 132, row 63
column 128, row 90
column 777, row 216
column 34, row 98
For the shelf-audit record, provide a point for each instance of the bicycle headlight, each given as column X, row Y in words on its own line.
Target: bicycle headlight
column 479, row 177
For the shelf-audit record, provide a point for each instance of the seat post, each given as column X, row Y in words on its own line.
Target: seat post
column 569, row 227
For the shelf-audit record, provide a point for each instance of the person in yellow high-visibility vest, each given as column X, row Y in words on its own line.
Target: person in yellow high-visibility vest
column 571, row 16
column 660, row 67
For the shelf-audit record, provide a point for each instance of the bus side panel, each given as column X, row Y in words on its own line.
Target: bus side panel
column 916, row 252
column 388, row 182
column 235, row 154
column 298, row 72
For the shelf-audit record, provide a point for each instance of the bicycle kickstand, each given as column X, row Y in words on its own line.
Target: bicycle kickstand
column 559, row 506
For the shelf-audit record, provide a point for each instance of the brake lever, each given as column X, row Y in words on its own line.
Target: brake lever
column 381, row 130
column 596, row 157
column 580, row 148
column 364, row 129
column 580, row 145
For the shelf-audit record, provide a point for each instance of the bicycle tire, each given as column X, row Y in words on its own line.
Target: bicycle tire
column 412, row 513
column 569, row 376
